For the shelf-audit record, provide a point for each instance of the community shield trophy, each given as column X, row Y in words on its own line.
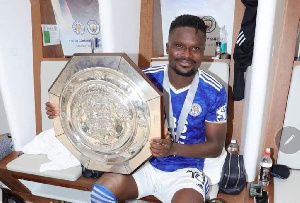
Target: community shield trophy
column 109, row 111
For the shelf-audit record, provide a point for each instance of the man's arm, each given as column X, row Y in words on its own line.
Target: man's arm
column 212, row 147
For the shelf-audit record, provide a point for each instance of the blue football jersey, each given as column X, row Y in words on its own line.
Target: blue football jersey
column 209, row 105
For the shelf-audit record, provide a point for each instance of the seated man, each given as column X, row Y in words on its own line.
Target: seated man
column 196, row 115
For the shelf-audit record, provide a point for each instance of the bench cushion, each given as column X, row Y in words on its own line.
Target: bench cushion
column 31, row 163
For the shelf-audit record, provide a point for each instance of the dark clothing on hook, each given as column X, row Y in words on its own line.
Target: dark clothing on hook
column 243, row 50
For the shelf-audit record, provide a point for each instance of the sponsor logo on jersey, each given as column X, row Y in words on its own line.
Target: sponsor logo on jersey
column 195, row 110
column 93, row 27
column 78, row 28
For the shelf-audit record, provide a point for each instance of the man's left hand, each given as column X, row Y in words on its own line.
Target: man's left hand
column 162, row 147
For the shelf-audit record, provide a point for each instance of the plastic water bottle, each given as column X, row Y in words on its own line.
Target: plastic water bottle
column 233, row 147
column 223, row 39
column 265, row 168
column 218, row 50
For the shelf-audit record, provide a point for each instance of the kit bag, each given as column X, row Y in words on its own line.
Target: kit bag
column 233, row 177
column 5, row 146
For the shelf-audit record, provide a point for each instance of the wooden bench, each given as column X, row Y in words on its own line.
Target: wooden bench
column 12, row 180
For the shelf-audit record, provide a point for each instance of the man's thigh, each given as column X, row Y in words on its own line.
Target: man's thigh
column 122, row 186
column 181, row 184
column 145, row 178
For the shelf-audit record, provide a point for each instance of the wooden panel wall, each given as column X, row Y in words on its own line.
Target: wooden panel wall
column 151, row 38
column 235, row 108
column 41, row 13
column 37, row 58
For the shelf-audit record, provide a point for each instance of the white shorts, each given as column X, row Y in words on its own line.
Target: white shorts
column 163, row 185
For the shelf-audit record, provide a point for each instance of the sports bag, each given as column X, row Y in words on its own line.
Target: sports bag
column 233, row 177
column 5, row 146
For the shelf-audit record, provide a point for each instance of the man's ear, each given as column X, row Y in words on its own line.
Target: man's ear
column 167, row 48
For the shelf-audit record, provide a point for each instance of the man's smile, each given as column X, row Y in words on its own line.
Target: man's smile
column 185, row 62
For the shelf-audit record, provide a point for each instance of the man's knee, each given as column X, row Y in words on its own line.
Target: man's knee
column 188, row 195
column 121, row 186
column 112, row 180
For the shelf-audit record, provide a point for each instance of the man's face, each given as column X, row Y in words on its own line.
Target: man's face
column 186, row 50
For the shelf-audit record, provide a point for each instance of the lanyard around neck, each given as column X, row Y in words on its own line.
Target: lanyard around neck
column 186, row 108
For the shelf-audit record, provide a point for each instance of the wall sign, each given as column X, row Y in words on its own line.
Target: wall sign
column 79, row 25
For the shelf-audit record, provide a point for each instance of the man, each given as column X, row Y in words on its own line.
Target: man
column 196, row 115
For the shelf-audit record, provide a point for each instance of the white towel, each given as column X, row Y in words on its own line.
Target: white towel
column 59, row 156
column 213, row 167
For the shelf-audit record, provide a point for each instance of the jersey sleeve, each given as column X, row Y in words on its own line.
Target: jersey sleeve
column 218, row 110
column 155, row 74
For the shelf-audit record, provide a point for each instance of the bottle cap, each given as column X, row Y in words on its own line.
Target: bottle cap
column 268, row 151
column 233, row 141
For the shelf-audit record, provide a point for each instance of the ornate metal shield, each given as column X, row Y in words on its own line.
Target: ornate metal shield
column 109, row 110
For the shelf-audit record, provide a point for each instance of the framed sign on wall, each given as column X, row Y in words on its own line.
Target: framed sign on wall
column 79, row 25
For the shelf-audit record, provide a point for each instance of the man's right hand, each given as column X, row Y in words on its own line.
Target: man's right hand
column 51, row 110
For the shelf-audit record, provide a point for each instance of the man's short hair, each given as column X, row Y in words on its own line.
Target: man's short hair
column 187, row 20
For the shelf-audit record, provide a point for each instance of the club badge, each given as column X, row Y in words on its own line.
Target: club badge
column 78, row 28
column 210, row 23
column 195, row 110
column 93, row 27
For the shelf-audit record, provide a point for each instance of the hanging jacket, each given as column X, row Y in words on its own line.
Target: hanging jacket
column 243, row 50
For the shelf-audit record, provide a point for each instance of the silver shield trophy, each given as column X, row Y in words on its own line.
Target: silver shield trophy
column 109, row 111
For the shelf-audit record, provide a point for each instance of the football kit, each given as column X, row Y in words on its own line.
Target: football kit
column 209, row 105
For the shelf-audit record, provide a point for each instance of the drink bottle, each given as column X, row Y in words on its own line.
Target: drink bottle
column 265, row 168
column 223, row 39
column 218, row 50
column 233, row 147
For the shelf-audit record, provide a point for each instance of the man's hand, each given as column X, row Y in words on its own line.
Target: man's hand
column 51, row 110
column 162, row 147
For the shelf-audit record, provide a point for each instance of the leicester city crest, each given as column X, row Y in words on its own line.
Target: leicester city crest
column 78, row 27
column 195, row 110
column 93, row 27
